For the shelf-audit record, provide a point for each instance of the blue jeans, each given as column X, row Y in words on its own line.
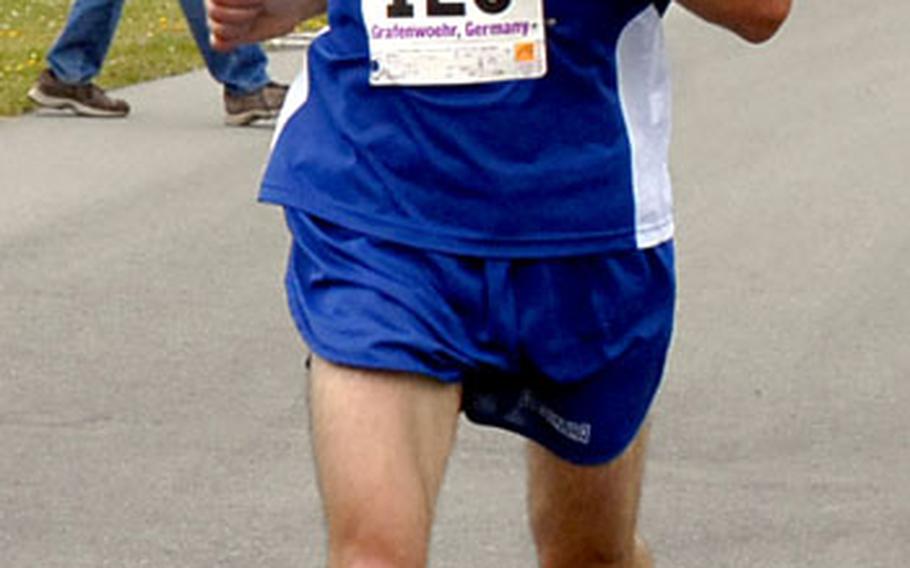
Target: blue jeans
column 77, row 55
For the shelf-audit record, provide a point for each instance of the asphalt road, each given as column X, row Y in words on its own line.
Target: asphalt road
column 151, row 384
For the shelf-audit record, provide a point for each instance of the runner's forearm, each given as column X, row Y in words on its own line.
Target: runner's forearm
column 753, row 20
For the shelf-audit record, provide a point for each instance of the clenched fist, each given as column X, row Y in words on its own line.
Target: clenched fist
column 235, row 22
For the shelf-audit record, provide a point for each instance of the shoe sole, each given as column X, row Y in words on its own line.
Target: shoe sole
column 49, row 101
column 249, row 117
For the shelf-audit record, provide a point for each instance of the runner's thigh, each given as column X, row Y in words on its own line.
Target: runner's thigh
column 381, row 440
column 585, row 510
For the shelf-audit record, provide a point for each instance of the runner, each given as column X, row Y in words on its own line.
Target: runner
column 480, row 207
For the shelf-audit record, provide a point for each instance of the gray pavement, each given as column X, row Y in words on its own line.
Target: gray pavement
column 151, row 406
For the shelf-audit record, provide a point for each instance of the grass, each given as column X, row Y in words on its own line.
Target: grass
column 152, row 41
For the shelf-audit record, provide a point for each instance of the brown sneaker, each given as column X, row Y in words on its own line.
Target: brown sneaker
column 265, row 103
column 85, row 100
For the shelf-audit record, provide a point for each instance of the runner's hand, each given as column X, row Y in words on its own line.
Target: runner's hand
column 236, row 22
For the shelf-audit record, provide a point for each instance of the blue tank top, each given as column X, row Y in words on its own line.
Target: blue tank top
column 573, row 161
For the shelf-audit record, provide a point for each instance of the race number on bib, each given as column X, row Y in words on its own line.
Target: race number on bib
column 454, row 42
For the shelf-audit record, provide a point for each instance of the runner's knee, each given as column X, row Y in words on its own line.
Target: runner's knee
column 592, row 553
column 366, row 555
column 372, row 543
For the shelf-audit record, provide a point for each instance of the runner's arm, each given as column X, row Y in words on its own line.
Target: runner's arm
column 236, row 22
column 753, row 20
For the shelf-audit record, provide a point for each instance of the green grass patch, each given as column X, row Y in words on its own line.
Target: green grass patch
column 152, row 41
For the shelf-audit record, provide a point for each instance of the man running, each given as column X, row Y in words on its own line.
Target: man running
column 479, row 200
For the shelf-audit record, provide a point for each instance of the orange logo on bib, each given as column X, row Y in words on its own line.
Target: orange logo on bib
column 524, row 52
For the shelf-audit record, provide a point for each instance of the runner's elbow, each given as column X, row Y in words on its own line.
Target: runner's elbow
column 763, row 19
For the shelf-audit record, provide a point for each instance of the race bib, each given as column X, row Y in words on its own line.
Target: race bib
column 454, row 42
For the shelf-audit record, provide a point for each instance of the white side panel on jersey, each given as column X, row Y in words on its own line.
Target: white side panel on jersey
column 644, row 92
column 296, row 98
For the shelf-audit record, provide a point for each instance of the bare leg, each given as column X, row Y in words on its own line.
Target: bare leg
column 583, row 516
column 381, row 442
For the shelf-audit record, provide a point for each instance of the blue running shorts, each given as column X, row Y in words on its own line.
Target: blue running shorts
column 566, row 351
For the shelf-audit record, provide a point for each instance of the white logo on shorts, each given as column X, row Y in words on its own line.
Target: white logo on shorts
column 576, row 431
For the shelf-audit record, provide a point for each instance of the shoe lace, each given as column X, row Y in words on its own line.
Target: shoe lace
column 91, row 91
